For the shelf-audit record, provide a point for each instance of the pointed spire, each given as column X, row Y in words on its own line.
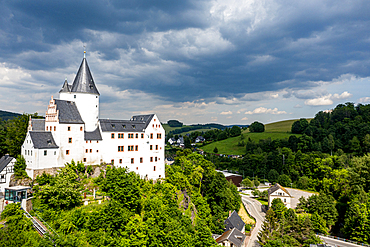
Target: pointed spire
column 65, row 88
column 84, row 82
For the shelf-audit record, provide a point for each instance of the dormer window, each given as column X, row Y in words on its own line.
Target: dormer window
column 113, row 126
column 124, row 126
column 133, row 126
column 74, row 96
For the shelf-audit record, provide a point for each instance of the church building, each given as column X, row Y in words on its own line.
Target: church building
column 72, row 130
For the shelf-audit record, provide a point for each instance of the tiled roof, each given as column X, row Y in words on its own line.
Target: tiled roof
column 42, row 140
column 143, row 118
column 68, row 112
column 276, row 187
column 84, row 82
column 234, row 235
column 38, row 124
column 234, row 221
column 121, row 125
column 93, row 135
column 65, row 88
column 4, row 161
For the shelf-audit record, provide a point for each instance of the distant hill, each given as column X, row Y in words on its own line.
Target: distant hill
column 5, row 115
column 277, row 130
column 196, row 127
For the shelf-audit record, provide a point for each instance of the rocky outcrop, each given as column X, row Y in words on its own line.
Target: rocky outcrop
column 19, row 181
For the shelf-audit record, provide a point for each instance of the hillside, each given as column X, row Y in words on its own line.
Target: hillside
column 277, row 130
column 5, row 115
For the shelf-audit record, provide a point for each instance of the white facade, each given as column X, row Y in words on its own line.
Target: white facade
column 277, row 191
column 6, row 171
column 72, row 130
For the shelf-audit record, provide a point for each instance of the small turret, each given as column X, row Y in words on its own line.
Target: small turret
column 65, row 88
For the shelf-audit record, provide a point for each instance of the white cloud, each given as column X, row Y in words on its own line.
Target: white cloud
column 244, row 118
column 226, row 113
column 263, row 110
column 364, row 100
column 324, row 100
column 298, row 106
column 327, row 99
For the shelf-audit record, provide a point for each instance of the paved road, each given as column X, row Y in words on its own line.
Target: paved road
column 337, row 243
column 254, row 208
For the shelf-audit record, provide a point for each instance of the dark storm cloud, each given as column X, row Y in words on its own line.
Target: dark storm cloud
column 191, row 50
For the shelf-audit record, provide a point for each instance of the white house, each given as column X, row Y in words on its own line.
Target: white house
column 72, row 129
column 6, row 170
column 278, row 191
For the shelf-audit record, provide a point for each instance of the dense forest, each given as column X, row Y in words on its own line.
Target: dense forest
column 182, row 210
column 330, row 157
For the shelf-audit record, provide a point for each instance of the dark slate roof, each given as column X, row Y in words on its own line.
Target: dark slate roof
column 4, row 161
column 234, row 235
column 121, row 125
column 143, row 118
column 84, row 82
column 65, row 88
column 234, row 221
column 38, row 124
column 276, row 187
column 93, row 135
column 68, row 112
column 42, row 140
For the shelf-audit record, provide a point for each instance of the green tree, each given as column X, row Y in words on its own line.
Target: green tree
column 187, row 142
column 284, row 180
column 257, row 127
column 235, row 131
column 279, row 208
column 20, row 167
column 273, row 176
column 247, row 183
column 215, row 150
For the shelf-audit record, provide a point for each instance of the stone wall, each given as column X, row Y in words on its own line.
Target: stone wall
column 52, row 171
column 19, row 182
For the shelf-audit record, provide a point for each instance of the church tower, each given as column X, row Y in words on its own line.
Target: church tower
column 84, row 93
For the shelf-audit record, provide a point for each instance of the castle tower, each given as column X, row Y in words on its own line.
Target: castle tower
column 85, row 94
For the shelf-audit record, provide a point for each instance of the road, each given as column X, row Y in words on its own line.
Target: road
column 254, row 209
column 337, row 243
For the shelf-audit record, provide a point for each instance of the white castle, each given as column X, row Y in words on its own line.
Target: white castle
column 72, row 129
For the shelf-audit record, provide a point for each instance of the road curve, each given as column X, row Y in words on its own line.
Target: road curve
column 254, row 208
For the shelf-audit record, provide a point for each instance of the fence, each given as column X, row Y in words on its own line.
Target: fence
column 343, row 239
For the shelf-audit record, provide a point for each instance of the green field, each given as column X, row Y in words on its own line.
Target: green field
column 278, row 130
column 167, row 128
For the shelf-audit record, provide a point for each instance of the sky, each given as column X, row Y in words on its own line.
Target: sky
column 203, row 61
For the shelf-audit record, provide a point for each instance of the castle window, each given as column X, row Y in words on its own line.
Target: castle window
column 137, row 136
column 112, row 136
column 132, row 160
column 120, row 149
column 153, row 125
column 120, row 161
column 137, row 168
column 136, row 148
column 67, row 152
column 74, row 96
column 112, row 162
column 90, row 150
column 90, row 141
column 159, row 136
column 160, row 176
column 55, row 152
column 70, row 140
column 86, row 151
column 151, row 159
column 84, row 159
column 142, row 136
column 154, row 168
column 55, row 128
column 97, row 151
column 97, row 141
column 69, row 128
column 155, row 159
column 47, row 128
column 151, row 135
column 31, row 152
column 45, row 152
column 151, row 147
column 80, row 128
column 141, row 159
column 156, row 147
